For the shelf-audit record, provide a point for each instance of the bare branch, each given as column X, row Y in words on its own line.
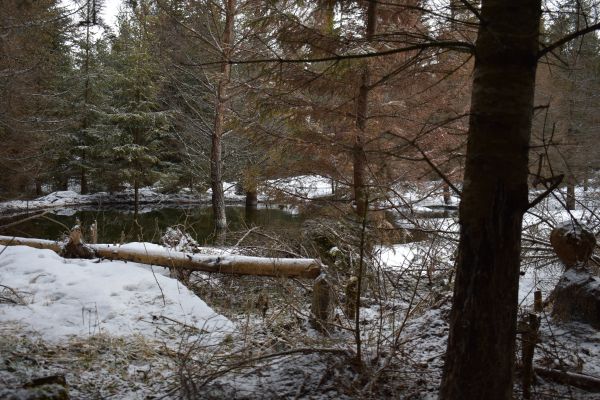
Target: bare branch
column 568, row 38
column 455, row 45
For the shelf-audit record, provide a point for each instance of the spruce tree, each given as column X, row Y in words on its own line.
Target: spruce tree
column 141, row 124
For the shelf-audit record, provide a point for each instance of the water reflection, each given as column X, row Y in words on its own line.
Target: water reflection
column 115, row 225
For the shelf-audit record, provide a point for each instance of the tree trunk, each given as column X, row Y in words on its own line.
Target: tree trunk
column 216, row 161
column 481, row 343
column 83, row 178
column 86, row 97
column 136, row 198
column 570, row 200
column 446, row 193
column 362, row 109
column 251, row 198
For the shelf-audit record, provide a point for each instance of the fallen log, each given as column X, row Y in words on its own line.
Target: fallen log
column 585, row 382
column 36, row 243
column 226, row 264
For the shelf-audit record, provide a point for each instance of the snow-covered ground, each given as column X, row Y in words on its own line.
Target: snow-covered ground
column 61, row 298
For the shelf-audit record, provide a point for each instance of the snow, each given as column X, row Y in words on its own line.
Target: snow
column 398, row 256
column 73, row 297
column 305, row 186
column 147, row 195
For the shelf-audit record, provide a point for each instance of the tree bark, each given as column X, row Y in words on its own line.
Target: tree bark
column 481, row 343
column 216, row 161
column 362, row 110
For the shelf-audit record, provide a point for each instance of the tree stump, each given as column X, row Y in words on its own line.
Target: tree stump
column 573, row 243
column 351, row 293
column 530, row 338
column 321, row 303
column 75, row 247
column 538, row 305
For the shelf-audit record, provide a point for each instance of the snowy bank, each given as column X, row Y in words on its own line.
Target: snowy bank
column 62, row 298
column 146, row 196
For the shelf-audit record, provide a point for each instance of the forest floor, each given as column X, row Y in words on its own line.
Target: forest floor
column 125, row 330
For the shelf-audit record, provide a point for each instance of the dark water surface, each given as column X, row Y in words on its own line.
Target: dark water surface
column 113, row 223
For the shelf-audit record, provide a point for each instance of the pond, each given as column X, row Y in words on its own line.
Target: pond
column 116, row 224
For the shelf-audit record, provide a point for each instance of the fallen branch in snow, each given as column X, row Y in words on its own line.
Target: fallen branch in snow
column 12, row 296
column 585, row 382
column 226, row 264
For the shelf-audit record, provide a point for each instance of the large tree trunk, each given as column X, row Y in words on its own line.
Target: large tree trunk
column 481, row 342
column 216, row 161
column 362, row 110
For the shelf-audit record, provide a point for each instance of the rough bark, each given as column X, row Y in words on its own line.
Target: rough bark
column 216, row 161
column 481, row 343
column 362, row 110
column 229, row 264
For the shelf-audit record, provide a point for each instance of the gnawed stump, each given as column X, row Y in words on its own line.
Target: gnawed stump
column 75, row 248
column 572, row 243
column 577, row 297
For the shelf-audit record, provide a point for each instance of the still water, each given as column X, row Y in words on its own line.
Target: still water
column 115, row 225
